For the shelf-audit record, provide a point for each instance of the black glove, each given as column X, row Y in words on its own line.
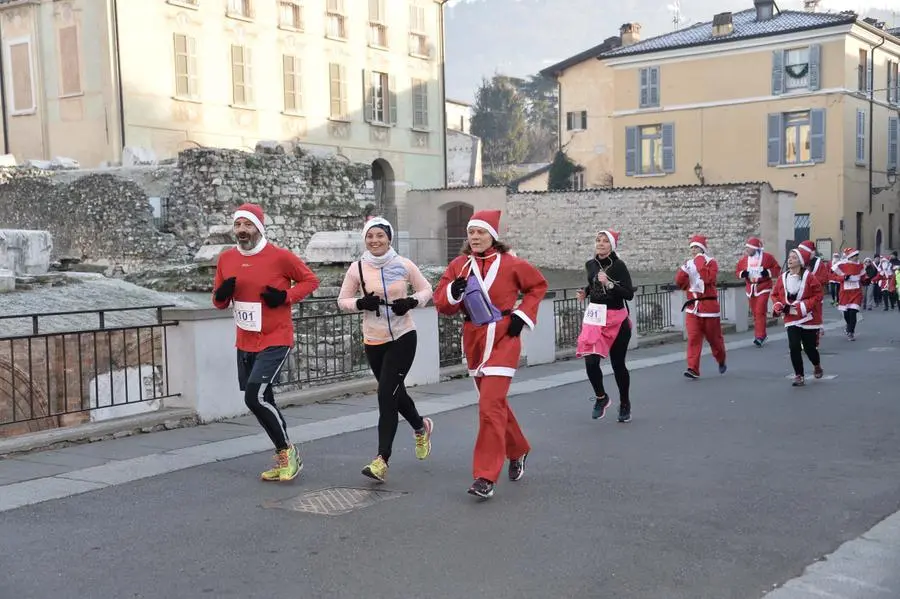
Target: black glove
column 515, row 325
column 792, row 297
column 273, row 297
column 846, row 277
column 457, row 288
column 403, row 305
column 745, row 274
column 764, row 273
column 226, row 289
column 368, row 302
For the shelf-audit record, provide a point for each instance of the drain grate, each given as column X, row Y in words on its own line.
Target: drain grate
column 333, row 501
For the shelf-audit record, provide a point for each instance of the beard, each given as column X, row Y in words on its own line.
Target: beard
column 247, row 242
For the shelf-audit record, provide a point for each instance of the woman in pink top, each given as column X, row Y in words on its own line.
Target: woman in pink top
column 383, row 277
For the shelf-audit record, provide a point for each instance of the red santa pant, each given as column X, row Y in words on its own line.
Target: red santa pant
column 759, row 306
column 699, row 329
column 499, row 435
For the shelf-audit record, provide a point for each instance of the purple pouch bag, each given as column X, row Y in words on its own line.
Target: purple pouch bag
column 478, row 305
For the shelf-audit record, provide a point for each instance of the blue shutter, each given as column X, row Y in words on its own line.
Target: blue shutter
column 654, row 86
column 815, row 63
column 860, row 137
column 668, row 147
column 645, row 88
column 774, row 152
column 817, row 135
column 631, row 143
column 869, row 67
column 893, row 142
column 777, row 72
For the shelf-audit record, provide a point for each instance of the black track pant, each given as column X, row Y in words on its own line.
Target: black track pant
column 850, row 319
column 390, row 362
column 257, row 372
column 617, row 361
column 802, row 340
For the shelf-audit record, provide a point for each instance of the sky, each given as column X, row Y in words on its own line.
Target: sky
column 521, row 37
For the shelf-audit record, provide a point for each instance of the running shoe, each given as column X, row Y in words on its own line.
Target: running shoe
column 691, row 374
column 517, row 468
column 625, row 414
column 294, row 465
column 818, row 372
column 482, row 488
column 274, row 474
column 423, row 440
column 377, row 469
column 799, row 381
column 723, row 368
column 600, row 405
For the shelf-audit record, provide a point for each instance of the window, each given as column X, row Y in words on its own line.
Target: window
column 796, row 138
column 650, row 149
column 859, row 230
column 802, row 227
column 293, row 93
column 796, row 69
column 576, row 121
column 337, row 76
column 420, row 104
column 20, row 80
column 891, row 231
column 290, row 14
column 418, row 39
column 336, row 20
column 893, row 161
column 861, row 137
column 377, row 27
column 381, row 101
column 862, row 71
column 893, row 82
column 69, row 62
column 241, row 76
column 186, row 67
column 576, row 181
column 240, row 8
column 649, row 87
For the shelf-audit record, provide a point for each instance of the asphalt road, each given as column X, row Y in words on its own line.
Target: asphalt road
column 720, row 488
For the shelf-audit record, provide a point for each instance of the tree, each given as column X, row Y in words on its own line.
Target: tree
column 499, row 120
column 561, row 172
column 542, row 110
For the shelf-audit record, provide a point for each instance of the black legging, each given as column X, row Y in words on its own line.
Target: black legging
column 850, row 319
column 802, row 340
column 617, row 360
column 390, row 362
column 833, row 287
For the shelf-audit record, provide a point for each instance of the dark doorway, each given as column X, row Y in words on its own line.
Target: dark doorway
column 878, row 242
column 457, row 219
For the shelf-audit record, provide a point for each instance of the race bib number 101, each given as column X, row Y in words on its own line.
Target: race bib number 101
column 248, row 316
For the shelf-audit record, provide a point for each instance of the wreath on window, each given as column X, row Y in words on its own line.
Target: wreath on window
column 797, row 71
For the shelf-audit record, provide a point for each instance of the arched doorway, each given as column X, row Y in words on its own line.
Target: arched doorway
column 385, row 202
column 457, row 219
column 877, row 242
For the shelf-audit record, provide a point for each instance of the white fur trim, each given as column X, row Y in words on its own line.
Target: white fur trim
column 498, row 371
column 251, row 217
column 753, row 247
column 803, row 310
column 259, row 247
column 524, row 317
column 450, row 299
column 612, row 240
column 698, row 245
column 477, row 222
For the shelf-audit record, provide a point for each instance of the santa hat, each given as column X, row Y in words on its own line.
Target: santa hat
column 613, row 237
column 698, row 241
column 808, row 247
column 381, row 223
column 254, row 214
column 488, row 220
column 754, row 243
column 801, row 254
column 850, row 252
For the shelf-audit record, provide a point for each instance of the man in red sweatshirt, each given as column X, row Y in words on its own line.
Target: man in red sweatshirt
column 260, row 281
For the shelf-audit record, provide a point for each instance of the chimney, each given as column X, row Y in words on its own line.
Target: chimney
column 811, row 5
column 765, row 9
column 723, row 24
column 630, row 33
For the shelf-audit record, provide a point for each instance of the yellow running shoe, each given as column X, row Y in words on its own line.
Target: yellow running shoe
column 274, row 474
column 423, row 440
column 294, row 465
column 377, row 469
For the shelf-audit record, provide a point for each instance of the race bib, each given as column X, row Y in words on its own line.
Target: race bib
column 248, row 316
column 755, row 272
column 851, row 284
column 595, row 314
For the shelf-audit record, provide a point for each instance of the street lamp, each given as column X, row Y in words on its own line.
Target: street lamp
column 698, row 172
column 891, row 180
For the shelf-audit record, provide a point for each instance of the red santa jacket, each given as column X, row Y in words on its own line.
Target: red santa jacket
column 489, row 350
column 697, row 277
column 258, row 325
column 762, row 269
column 850, row 275
column 822, row 271
column 804, row 308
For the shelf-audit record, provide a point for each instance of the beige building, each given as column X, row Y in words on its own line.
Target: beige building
column 103, row 80
column 459, row 116
column 807, row 101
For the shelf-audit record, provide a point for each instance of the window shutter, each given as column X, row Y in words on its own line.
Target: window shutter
column 584, row 119
column 860, row 137
column 869, row 67
column 392, row 98
column 654, row 86
column 368, row 96
column 193, row 68
column 893, row 143
column 631, row 137
column 815, row 71
column 774, row 151
column 248, row 74
column 342, row 73
column 777, row 72
column 817, row 135
column 668, row 147
column 569, row 118
column 645, row 88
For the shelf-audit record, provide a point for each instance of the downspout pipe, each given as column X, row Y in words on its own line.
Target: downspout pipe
column 872, row 123
column 119, row 84
column 3, row 99
column 444, row 88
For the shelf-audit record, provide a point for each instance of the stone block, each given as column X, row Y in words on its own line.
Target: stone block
column 220, row 235
column 329, row 247
column 135, row 156
column 7, row 160
column 25, row 252
column 7, row 281
column 210, row 253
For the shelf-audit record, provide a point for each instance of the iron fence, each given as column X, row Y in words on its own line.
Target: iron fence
column 328, row 346
column 57, row 370
column 450, row 340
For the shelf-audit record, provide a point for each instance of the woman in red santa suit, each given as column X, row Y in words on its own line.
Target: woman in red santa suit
column 697, row 277
column 484, row 284
column 821, row 270
column 759, row 269
column 798, row 297
column 849, row 273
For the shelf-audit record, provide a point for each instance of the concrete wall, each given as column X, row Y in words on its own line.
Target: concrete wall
column 464, row 167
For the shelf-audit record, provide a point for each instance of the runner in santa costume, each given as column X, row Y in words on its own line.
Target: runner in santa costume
column 484, row 284
column 849, row 272
column 697, row 277
column 821, row 269
column 759, row 269
column 260, row 281
column 798, row 297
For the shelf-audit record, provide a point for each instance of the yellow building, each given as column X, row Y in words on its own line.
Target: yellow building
column 99, row 80
column 807, row 101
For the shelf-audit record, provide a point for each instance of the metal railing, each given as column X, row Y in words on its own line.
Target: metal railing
column 450, row 340
column 59, row 369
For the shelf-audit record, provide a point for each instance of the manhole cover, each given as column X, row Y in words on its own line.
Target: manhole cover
column 333, row 501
